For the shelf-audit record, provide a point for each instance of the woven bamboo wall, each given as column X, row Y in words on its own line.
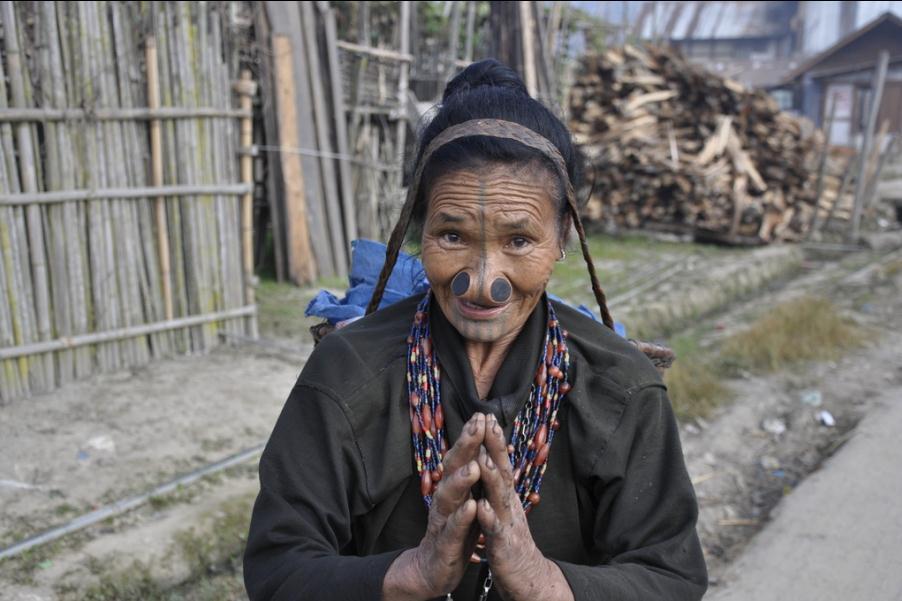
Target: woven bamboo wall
column 124, row 229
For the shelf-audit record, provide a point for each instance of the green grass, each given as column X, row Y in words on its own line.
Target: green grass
column 695, row 380
column 213, row 556
column 617, row 259
column 281, row 308
column 805, row 329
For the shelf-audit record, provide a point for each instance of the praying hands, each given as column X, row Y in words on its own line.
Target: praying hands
column 456, row 519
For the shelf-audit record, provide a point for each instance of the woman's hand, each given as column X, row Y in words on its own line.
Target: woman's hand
column 520, row 571
column 436, row 566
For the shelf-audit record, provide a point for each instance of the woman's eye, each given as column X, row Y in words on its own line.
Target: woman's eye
column 519, row 242
column 451, row 237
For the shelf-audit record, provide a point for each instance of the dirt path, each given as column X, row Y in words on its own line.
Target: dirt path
column 838, row 536
column 757, row 450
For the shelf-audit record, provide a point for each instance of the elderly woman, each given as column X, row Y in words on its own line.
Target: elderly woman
column 479, row 442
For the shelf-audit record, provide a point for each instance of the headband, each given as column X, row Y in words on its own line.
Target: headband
column 495, row 128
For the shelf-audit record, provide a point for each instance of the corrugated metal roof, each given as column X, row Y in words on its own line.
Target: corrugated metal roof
column 701, row 20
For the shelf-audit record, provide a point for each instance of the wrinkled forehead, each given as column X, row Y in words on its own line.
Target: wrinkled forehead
column 518, row 191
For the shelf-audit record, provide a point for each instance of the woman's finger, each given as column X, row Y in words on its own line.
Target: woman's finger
column 458, row 526
column 497, row 488
column 454, row 489
column 467, row 446
column 496, row 445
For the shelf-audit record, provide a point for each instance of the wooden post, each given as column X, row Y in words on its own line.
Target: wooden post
column 246, row 90
column 301, row 266
column 860, row 183
column 156, row 172
column 822, row 166
column 526, row 38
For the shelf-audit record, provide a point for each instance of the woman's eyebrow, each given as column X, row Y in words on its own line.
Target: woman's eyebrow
column 449, row 218
column 518, row 224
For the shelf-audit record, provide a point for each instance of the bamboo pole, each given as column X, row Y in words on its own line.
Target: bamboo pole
column 140, row 192
column 403, row 82
column 246, row 91
column 29, row 182
column 71, row 161
column 46, row 114
column 156, row 160
column 384, row 53
column 119, row 334
column 57, row 151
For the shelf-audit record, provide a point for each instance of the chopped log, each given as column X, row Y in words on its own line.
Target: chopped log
column 666, row 142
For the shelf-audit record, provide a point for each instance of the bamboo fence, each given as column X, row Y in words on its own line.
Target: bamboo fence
column 125, row 220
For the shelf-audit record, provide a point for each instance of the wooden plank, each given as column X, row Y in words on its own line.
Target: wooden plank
column 285, row 19
column 321, row 124
column 301, row 267
column 340, row 120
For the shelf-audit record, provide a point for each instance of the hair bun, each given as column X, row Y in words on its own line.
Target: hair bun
column 488, row 72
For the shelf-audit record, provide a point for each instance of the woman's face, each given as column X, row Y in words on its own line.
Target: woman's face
column 490, row 241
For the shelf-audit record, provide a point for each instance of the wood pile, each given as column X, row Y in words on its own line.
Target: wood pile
column 669, row 145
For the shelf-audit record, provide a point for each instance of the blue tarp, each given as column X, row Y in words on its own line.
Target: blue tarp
column 408, row 278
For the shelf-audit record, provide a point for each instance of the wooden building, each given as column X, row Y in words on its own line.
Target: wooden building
column 843, row 74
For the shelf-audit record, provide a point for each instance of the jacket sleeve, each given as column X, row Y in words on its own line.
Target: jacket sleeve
column 644, row 535
column 312, row 483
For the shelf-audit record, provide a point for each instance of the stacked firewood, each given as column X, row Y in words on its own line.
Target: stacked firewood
column 671, row 145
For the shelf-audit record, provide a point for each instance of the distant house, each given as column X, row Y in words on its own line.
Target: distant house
column 844, row 72
column 752, row 42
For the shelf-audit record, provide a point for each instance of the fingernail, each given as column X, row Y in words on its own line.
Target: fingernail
column 489, row 463
column 474, row 424
column 465, row 470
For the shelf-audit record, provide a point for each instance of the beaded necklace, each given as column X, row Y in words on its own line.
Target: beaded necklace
column 534, row 427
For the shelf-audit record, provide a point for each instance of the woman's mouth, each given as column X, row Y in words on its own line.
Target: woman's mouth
column 472, row 310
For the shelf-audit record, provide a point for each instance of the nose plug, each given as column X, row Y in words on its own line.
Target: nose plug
column 500, row 291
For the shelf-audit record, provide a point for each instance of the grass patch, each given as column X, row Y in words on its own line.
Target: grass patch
column 281, row 308
column 805, row 329
column 213, row 556
column 694, row 381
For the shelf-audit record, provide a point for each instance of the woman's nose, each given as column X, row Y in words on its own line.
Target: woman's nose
column 499, row 287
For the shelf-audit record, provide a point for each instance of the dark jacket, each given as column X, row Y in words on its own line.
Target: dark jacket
column 340, row 500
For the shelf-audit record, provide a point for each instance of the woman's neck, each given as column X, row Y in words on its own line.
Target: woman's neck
column 486, row 359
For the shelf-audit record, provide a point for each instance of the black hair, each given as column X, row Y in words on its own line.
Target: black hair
column 489, row 90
